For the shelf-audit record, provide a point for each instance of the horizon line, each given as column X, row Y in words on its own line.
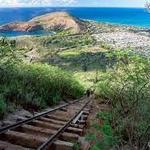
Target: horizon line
column 68, row 7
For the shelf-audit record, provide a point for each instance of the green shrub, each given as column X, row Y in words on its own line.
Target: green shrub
column 108, row 139
column 32, row 86
column 105, row 116
column 126, row 86
column 38, row 85
column 76, row 146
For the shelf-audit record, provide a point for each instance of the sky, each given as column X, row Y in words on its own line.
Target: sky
column 76, row 3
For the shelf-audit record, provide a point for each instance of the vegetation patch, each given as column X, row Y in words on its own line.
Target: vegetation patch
column 103, row 137
column 126, row 87
column 69, row 54
column 33, row 86
column 38, row 85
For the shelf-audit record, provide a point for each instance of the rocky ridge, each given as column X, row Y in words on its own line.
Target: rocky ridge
column 52, row 21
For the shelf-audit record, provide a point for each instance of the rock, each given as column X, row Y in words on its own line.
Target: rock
column 32, row 55
column 17, row 116
column 7, row 123
column 84, row 144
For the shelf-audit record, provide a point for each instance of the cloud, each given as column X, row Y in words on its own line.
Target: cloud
column 89, row 3
column 68, row 1
column 8, row 2
column 21, row 3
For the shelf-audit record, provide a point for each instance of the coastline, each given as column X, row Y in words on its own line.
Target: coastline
column 113, row 36
column 126, row 14
column 123, row 26
column 117, row 24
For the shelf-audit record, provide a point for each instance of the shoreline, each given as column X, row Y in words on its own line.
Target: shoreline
column 129, row 27
column 117, row 24
column 113, row 36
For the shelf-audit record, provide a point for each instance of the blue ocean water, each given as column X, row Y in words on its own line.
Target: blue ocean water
column 124, row 16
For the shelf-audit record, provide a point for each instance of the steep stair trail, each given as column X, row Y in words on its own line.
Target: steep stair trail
column 56, row 129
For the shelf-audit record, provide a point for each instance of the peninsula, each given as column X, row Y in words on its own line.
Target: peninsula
column 51, row 21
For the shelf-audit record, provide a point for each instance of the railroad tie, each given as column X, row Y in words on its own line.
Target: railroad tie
column 55, row 129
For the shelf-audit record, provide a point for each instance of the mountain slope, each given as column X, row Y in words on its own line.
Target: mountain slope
column 51, row 21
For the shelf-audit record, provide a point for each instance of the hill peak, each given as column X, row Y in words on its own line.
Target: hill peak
column 51, row 21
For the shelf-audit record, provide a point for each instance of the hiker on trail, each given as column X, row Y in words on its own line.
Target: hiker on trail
column 88, row 92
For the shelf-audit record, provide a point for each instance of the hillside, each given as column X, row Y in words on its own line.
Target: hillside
column 52, row 21
column 38, row 71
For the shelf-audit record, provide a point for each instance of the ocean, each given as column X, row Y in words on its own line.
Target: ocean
column 139, row 17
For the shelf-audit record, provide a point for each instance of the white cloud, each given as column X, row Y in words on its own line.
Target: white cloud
column 8, row 3
column 21, row 3
column 68, row 1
